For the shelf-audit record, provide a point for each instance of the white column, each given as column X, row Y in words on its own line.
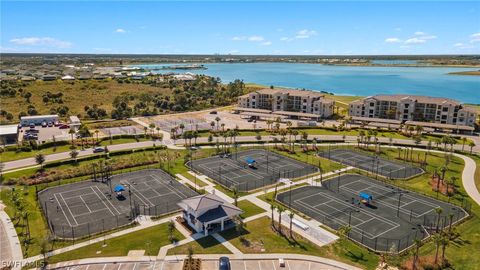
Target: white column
column 222, row 223
column 206, row 229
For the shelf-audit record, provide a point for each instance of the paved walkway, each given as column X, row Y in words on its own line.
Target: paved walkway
column 10, row 248
column 468, row 178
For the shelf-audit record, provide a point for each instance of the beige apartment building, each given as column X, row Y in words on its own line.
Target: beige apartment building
column 411, row 108
column 289, row 102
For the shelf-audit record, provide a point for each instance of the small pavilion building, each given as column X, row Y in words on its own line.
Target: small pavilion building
column 208, row 213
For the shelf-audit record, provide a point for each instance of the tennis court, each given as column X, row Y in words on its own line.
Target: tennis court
column 85, row 208
column 390, row 223
column 234, row 171
column 372, row 163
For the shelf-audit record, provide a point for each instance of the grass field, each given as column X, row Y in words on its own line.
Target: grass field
column 101, row 93
column 150, row 240
column 249, row 209
column 205, row 245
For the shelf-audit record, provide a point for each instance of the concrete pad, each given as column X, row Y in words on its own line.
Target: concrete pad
column 173, row 265
column 96, row 266
column 297, row 265
column 209, row 265
column 238, row 265
column 136, row 253
column 252, row 265
column 111, row 266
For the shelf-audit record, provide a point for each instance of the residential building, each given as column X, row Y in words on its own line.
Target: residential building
column 442, row 111
column 208, row 213
column 289, row 100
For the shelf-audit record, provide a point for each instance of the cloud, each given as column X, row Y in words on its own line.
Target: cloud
column 266, row 43
column 120, row 30
column 475, row 38
column 302, row 34
column 415, row 41
column 461, row 45
column 393, row 40
column 398, row 29
column 42, row 41
column 256, row 38
column 305, row 33
column 248, row 38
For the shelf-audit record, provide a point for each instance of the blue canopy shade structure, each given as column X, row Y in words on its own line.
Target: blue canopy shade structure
column 119, row 188
column 366, row 196
column 250, row 160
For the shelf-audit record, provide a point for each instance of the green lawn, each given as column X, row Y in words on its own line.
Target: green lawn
column 249, row 209
column 205, row 245
column 194, row 179
column 260, row 238
column 150, row 240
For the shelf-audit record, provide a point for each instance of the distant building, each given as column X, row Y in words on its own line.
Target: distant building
column 38, row 119
column 411, row 108
column 208, row 213
column 289, row 102
column 8, row 134
column 74, row 122
column 68, row 78
column 49, row 77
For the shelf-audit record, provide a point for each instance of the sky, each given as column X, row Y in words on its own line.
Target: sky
column 296, row 28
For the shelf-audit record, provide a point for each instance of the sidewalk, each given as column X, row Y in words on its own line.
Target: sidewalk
column 9, row 239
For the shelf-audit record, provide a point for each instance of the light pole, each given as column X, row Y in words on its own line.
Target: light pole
column 399, row 202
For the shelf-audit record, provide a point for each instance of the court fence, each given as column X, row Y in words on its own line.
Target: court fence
column 273, row 176
column 373, row 164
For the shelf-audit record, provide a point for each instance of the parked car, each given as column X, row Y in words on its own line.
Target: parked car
column 98, row 150
column 224, row 263
column 32, row 125
column 32, row 131
column 64, row 126
column 44, row 124
column 213, row 112
column 56, row 123
column 50, row 124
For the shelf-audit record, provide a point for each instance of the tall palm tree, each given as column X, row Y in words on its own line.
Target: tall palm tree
column 217, row 119
column 235, row 195
column 272, row 207
column 471, row 144
column 96, row 133
column 437, row 239
column 71, row 132
column 182, row 127
column 418, row 244
column 280, row 210
column 290, row 216
column 212, row 124
column 439, row 211
column 40, row 159
column 444, row 242
column 464, row 141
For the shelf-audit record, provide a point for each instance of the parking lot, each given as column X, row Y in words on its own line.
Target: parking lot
column 206, row 265
column 45, row 134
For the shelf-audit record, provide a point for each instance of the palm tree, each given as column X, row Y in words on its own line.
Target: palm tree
column 212, row 124
column 345, row 230
column 464, row 141
column 182, row 127
column 280, row 210
column 418, row 244
column 151, row 127
column 71, row 132
column 40, row 159
column 223, row 126
column 195, row 136
column 235, row 195
column 444, row 242
column 158, row 131
column 273, row 207
column 96, row 133
column 145, row 131
column 217, row 119
column 437, row 239
column 471, row 144
column 439, row 211
column 290, row 216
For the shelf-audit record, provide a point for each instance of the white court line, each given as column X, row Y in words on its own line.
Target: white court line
column 104, row 202
column 68, row 208
column 96, row 211
column 61, row 207
column 140, row 194
column 88, row 208
column 216, row 175
column 318, row 211
column 170, row 187
column 71, row 191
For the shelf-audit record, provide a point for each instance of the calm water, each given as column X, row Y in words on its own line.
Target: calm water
column 349, row 80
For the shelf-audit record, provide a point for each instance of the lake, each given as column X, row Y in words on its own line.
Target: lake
column 350, row 80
